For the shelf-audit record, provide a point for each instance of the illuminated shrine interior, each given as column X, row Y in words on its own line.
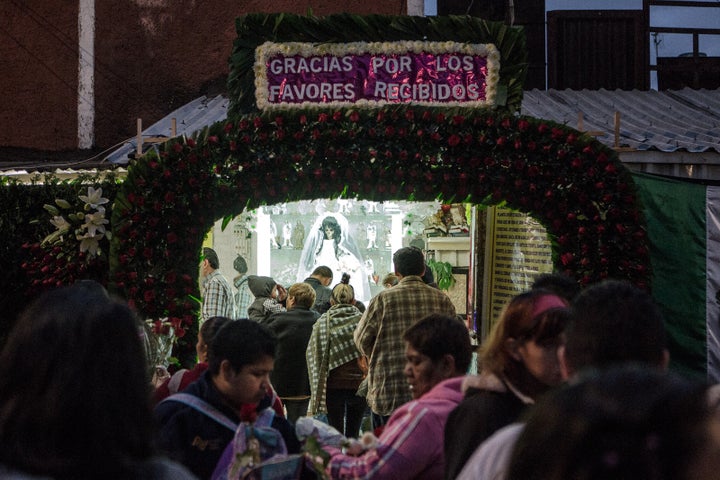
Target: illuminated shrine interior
column 287, row 241
column 272, row 238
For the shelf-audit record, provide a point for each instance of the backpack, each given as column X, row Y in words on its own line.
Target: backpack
column 258, row 451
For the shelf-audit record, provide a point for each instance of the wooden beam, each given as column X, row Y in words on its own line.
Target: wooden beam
column 139, row 137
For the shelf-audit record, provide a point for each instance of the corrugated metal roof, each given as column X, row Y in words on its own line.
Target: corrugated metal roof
column 189, row 118
column 666, row 121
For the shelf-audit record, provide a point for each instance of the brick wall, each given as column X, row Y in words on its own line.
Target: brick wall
column 151, row 56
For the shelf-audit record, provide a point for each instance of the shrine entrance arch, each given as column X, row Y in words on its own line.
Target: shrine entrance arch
column 572, row 184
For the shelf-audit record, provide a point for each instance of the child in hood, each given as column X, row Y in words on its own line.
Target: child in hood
column 269, row 298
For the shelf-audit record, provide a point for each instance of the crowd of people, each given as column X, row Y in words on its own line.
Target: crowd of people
column 571, row 384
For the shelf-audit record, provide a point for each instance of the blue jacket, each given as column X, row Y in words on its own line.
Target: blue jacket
column 196, row 440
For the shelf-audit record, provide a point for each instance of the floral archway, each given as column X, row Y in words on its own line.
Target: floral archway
column 576, row 187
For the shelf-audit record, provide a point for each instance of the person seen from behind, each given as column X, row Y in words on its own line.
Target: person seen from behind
column 243, row 296
column 319, row 279
column 379, row 333
column 336, row 366
column 292, row 329
column 75, row 392
column 624, row 422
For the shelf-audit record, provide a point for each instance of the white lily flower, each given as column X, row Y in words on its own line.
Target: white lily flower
column 94, row 198
column 89, row 243
column 60, row 223
column 95, row 223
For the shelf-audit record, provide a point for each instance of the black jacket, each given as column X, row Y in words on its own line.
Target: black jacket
column 196, row 440
column 293, row 329
column 322, row 295
column 481, row 413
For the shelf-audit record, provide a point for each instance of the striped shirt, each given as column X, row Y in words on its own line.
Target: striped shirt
column 218, row 298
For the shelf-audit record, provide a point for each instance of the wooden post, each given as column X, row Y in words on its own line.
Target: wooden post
column 173, row 127
column 617, row 129
column 580, row 121
column 139, row 137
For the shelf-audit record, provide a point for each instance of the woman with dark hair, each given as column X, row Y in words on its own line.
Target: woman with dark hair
column 519, row 362
column 75, row 392
column 438, row 353
column 336, row 366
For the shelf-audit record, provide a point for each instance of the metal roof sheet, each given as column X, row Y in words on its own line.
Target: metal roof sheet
column 189, row 118
column 666, row 121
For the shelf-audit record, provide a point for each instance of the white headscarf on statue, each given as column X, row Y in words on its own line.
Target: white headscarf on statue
column 345, row 258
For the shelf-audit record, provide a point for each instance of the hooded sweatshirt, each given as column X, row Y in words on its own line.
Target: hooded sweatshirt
column 410, row 446
column 264, row 305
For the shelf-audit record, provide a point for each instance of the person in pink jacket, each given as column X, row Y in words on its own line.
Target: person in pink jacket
column 438, row 353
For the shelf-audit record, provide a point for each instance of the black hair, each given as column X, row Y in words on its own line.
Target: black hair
column 74, row 388
column 626, row 422
column 331, row 222
column 438, row 335
column 614, row 322
column 558, row 283
column 212, row 257
column 240, row 265
column 241, row 342
column 323, row 271
column 210, row 327
column 409, row 261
